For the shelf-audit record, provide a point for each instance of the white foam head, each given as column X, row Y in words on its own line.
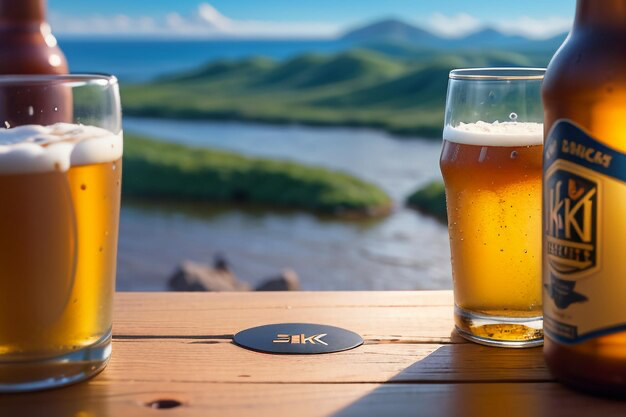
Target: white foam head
column 34, row 148
column 495, row 134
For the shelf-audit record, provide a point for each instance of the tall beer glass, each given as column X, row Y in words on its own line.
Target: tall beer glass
column 60, row 197
column 491, row 164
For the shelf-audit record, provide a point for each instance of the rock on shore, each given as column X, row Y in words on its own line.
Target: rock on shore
column 195, row 276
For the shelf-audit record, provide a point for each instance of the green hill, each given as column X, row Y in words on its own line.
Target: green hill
column 430, row 199
column 224, row 69
column 164, row 171
column 291, row 71
column 402, row 94
column 350, row 67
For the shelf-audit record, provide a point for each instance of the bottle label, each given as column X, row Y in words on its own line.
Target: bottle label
column 584, row 246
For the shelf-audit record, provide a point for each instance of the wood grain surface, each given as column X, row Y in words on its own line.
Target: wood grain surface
column 175, row 350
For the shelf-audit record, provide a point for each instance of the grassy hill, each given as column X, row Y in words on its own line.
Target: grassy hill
column 430, row 199
column 164, row 171
column 402, row 94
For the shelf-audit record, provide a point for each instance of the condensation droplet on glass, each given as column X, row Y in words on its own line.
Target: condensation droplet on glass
column 513, row 154
column 114, row 166
column 83, row 187
column 513, row 117
column 31, row 110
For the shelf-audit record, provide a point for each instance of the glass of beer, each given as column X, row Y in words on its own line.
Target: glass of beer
column 60, row 172
column 491, row 163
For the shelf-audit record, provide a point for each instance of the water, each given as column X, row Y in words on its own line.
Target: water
column 141, row 60
column 403, row 251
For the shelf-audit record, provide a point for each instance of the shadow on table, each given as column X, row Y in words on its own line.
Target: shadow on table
column 467, row 379
column 88, row 399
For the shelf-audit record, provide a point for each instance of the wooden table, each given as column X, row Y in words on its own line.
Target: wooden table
column 174, row 350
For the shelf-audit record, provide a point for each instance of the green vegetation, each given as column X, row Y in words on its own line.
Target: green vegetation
column 160, row 170
column 430, row 199
column 404, row 94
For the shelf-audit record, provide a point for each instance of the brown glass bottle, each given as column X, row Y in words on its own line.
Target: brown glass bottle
column 584, row 270
column 27, row 47
column 26, row 42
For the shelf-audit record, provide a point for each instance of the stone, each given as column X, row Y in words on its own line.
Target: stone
column 195, row 276
column 287, row 281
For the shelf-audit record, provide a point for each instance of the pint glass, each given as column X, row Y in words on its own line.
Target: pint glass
column 60, row 173
column 491, row 163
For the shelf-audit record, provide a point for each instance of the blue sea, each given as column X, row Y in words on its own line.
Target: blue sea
column 141, row 60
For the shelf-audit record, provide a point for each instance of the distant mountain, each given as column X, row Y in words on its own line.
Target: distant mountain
column 492, row 38
column 401, row 35
column 390, row 30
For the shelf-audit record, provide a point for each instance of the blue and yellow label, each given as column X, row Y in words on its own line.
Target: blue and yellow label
column 584, row 247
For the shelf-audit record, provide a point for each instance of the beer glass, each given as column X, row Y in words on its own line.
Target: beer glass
column 60, row 173
column 491, row 163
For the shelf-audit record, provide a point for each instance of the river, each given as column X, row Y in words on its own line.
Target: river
column 403, row 251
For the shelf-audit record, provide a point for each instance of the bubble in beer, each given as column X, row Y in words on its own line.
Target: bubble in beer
column 513, row 117
column 31, row 111
column 83, row 187
column 513, row 154
column 56, row 109
column 6, row 123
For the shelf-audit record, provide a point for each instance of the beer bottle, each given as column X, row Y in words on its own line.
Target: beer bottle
column 26, row 42
column 27, row 46
column 584, row 197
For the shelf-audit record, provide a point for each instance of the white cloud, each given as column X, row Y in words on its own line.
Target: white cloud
column 209, row 14
column 535, row 28
column 453, row 26
column 208, row 22
column 462, row 24
column 205, row 22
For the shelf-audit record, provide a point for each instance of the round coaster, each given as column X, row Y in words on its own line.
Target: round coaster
column 297, row 338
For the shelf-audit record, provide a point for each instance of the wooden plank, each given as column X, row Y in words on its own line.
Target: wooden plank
column 282, row 299
column 184, row 360
column 391, row 317
column 131, row 399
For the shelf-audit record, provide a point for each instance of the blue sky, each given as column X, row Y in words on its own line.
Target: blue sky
column 537, row 18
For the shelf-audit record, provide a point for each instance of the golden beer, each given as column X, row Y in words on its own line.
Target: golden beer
column 492, row 171
column 57, row 259
column 495, row 224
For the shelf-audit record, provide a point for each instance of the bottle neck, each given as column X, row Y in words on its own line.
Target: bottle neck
column 600, row 14
column 23, row 12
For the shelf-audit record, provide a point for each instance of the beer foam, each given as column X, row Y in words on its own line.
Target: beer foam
column 34, row 148
column 495, row 134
